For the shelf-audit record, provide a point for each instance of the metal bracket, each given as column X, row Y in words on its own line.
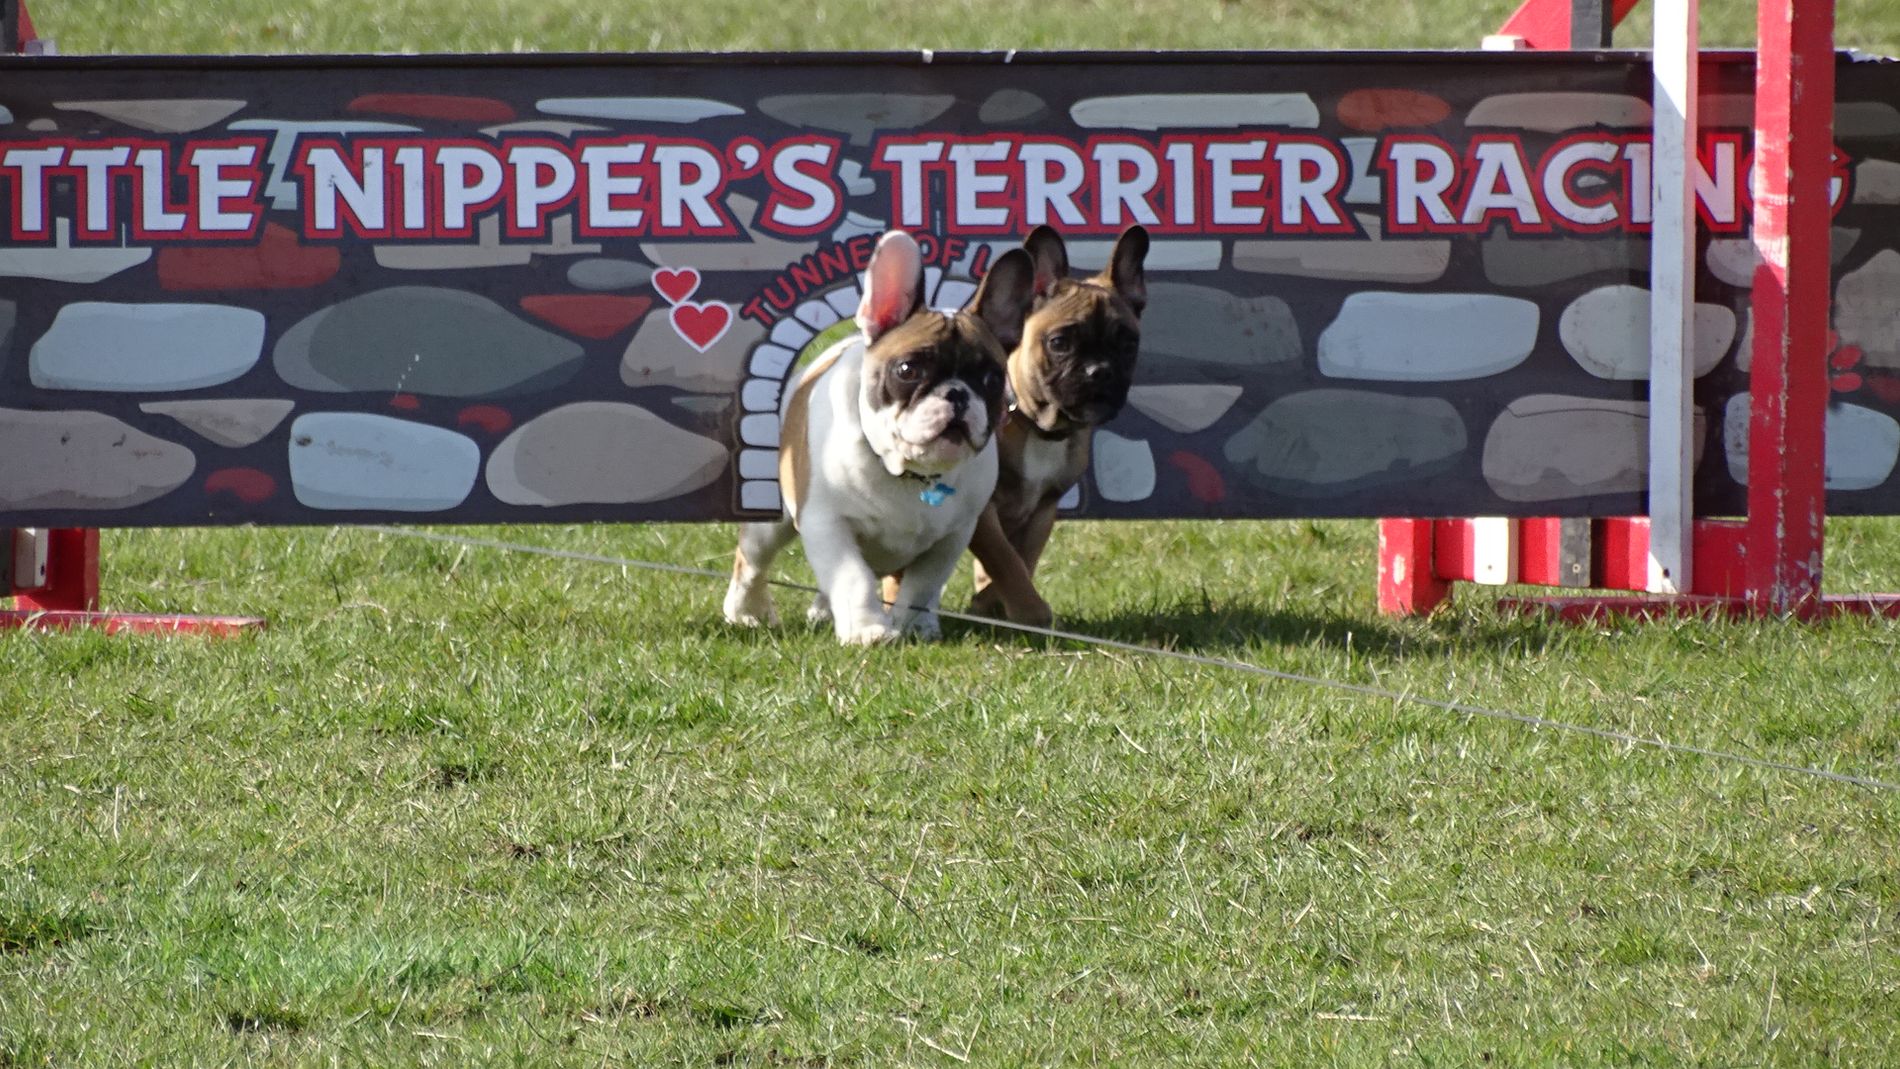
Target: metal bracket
column 25, row 561
column 1591, row 23
column 1573, row 551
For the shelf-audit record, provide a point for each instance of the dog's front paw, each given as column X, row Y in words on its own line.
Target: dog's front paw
column 818, row 613
column 922, row 625
column 749, row 608
column 871, row 629
column 987, row 602
column 1036, row 613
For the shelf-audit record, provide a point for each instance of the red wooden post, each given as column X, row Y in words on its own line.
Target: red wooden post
column 1408, row 582
column 72, row 573
column 1794, row 145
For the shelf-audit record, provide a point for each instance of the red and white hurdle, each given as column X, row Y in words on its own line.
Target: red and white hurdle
column 1768, row 563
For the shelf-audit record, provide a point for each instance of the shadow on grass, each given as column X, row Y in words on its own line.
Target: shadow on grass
column 1235, row 627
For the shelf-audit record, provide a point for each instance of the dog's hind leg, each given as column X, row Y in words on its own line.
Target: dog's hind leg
column 1004, row 583
column 749, row 598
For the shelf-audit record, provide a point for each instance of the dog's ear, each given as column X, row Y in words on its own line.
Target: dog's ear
column 893, row 284
column 1124, row 273
column 1050, row 257
column 1003, row 299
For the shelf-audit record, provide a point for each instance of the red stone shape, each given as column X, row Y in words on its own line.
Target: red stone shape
column 1885, row 387
column 1203, row 479
column 1377, row 109
column 1845, row 382
column 491, row 418
column 407, row 402
column 246, row 484
column 591, row 315
column 1845, row 357
column 277, row 261
column 433, row 106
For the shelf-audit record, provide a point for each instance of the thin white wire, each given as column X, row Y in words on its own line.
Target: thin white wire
column 1366, row 690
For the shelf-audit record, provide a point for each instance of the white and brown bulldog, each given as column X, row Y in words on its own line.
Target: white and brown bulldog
column 886, row 450
column 1069, row 374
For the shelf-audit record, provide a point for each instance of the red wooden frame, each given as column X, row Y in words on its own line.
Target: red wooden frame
column 1770, row 563
column 1545, row 25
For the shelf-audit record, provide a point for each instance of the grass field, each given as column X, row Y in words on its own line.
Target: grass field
column 458, row 807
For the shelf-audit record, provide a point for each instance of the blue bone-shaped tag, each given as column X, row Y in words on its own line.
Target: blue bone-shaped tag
column 936, row 494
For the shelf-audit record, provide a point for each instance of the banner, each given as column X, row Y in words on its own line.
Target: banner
column 559, row 288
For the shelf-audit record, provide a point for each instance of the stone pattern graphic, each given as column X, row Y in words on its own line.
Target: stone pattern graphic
column 559, row 375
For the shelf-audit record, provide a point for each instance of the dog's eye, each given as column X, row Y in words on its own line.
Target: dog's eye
column 990, row 377
column 909, row 371
column 1061, row 343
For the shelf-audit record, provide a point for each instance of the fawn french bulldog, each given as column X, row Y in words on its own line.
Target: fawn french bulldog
column 1068, row 374
column 886, row 450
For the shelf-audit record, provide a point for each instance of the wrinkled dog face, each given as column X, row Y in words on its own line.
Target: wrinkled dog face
column 932, row 389
column 1082, row 335
column 1087, row 346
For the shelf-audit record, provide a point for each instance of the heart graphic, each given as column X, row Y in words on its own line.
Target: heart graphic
column 676, row 284
column 702, row 325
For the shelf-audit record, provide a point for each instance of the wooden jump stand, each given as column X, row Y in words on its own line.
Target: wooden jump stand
column 1770, row 562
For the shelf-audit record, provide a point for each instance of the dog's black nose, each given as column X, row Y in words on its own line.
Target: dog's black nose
column 1101, row 374
column 958, row 397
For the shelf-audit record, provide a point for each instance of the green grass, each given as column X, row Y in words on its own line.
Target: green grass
column 466, row 808
column 463, row 807
column 589, row 25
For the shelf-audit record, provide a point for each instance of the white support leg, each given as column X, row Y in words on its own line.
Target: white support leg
column 1672, row 301
column 1494, row 550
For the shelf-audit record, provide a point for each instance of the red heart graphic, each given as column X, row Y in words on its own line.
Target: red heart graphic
column 676, row 284
column 702, row 324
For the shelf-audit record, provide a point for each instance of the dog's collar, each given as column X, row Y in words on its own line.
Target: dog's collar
column 935, row 491
column 1047, row 436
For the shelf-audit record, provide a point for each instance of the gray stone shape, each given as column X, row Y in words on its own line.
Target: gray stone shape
column 1371, row 260
column 1862, row 445
column 601, row 453
column 85, row 460
column 1866, row 118
column 857, row 115
column 1320, row 443
column 701, row 404
column 1406, row 336
column 605, row 276
column 1733, row 260
column 1011, row 106
column 1547, row 447
column 146, row 348
column 1866, row 313
column 235, row 422
column 1606, row 331
column 360, row 460
column 1510, row 261
column 658, row 356
column 1877, row 182
column 423, row 340
column 1193, row 333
